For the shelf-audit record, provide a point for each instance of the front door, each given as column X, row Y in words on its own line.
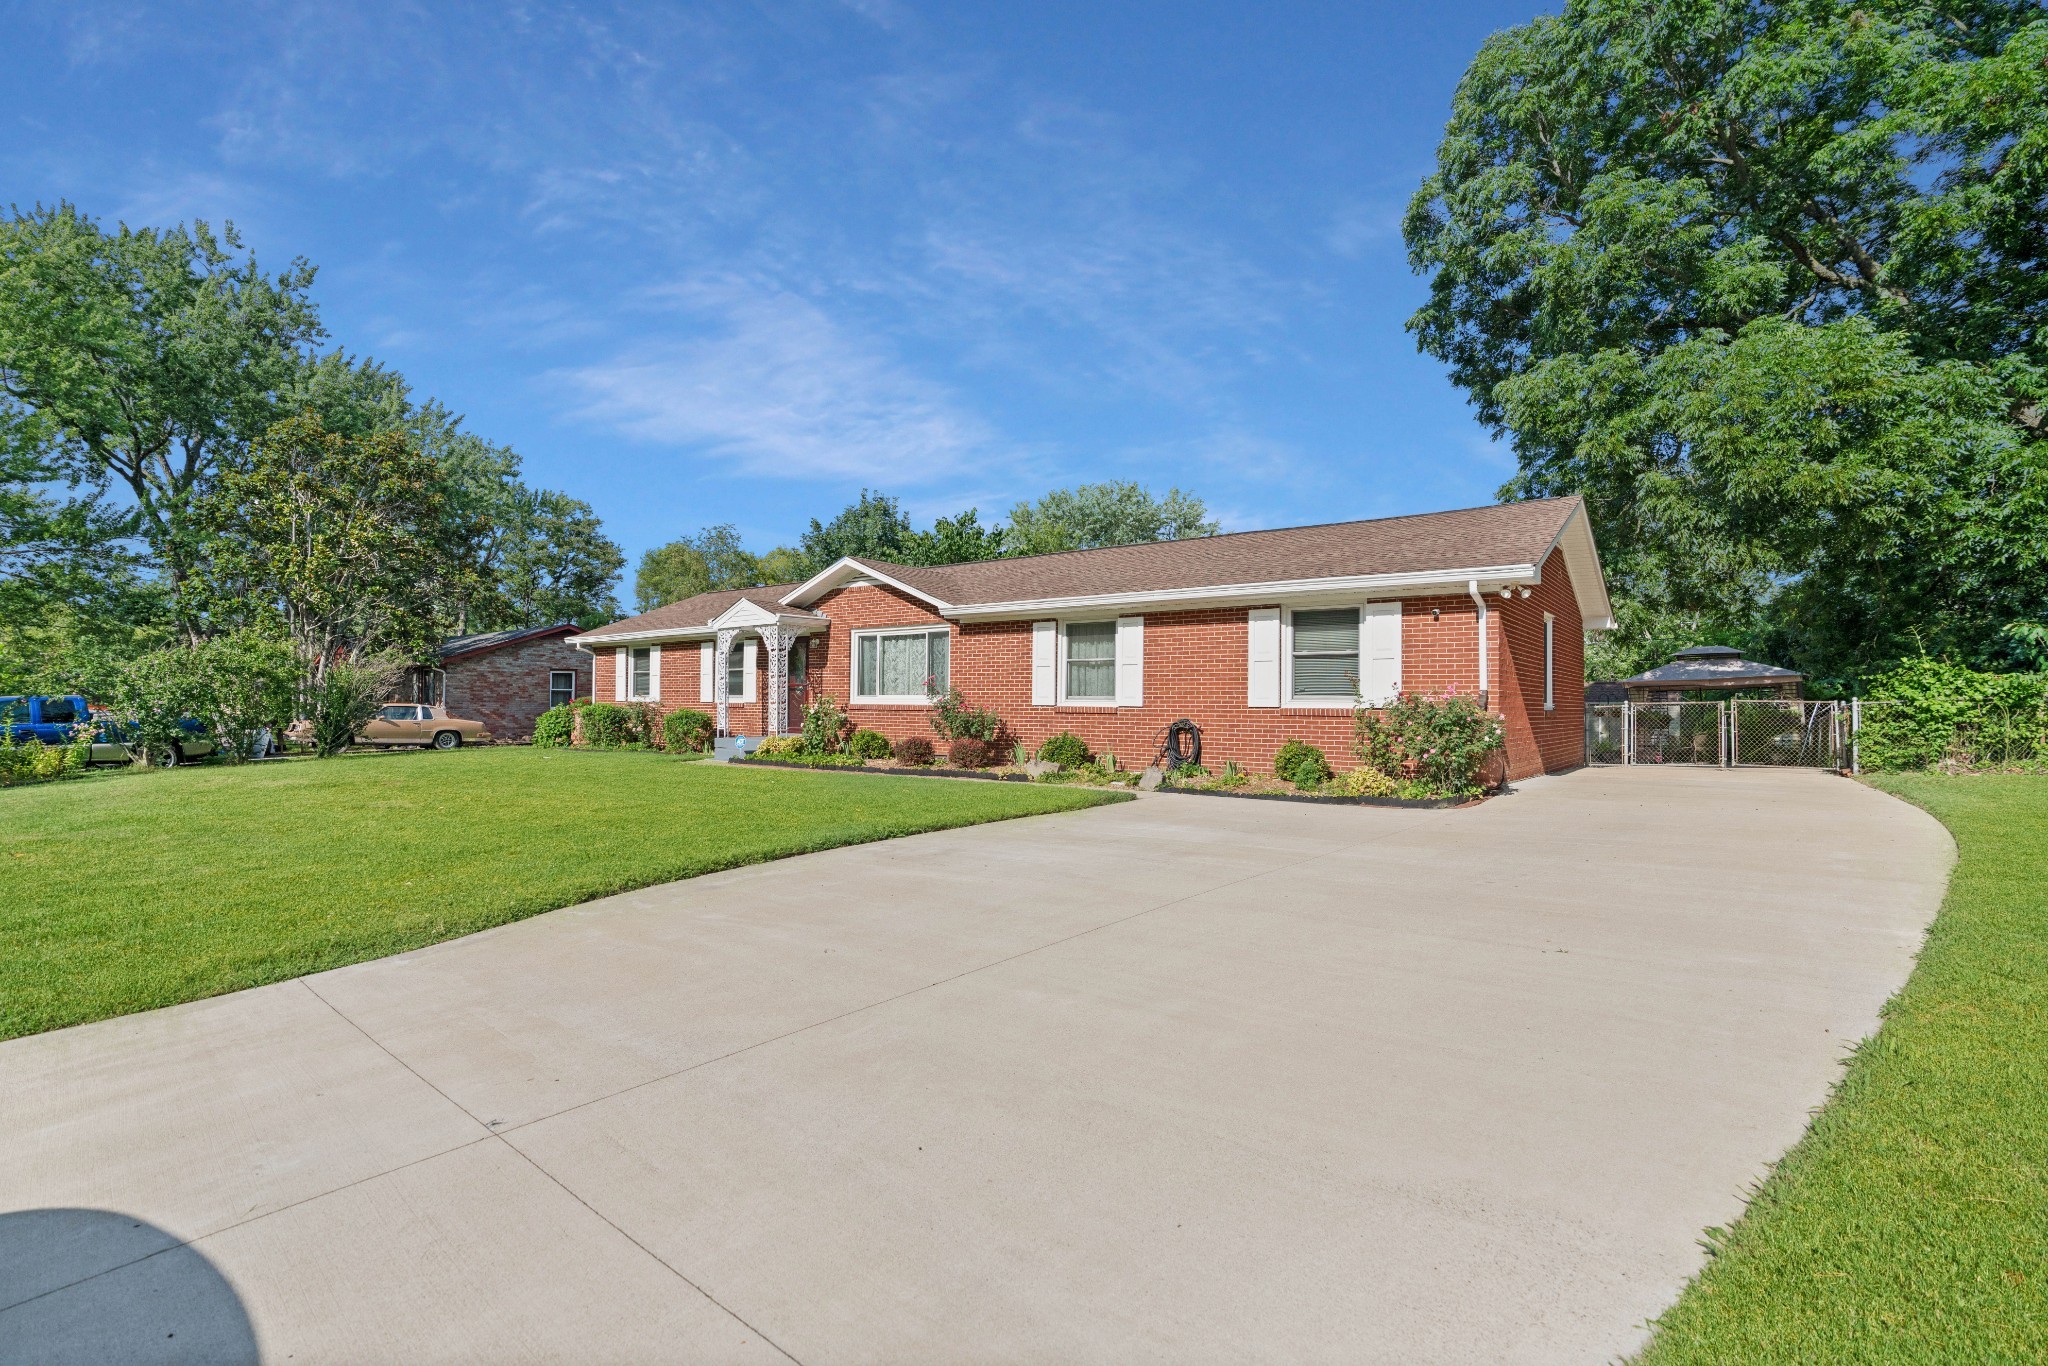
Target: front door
column 799, row 681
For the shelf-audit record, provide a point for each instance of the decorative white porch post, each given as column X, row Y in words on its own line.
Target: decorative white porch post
column 721, row 681
column 776, row 641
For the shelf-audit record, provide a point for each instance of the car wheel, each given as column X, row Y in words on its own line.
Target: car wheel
column 170, row 758
column 446, row 739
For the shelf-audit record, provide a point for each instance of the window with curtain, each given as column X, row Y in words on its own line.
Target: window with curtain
column 561, row 687
column 799, row 662
column 1091, row 661
column 640, row 682
column 736, row 670
column 894, row 665
column 1326, row 653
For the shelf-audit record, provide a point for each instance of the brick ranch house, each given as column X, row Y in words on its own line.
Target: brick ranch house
column 1256, row 637
column 504, row 679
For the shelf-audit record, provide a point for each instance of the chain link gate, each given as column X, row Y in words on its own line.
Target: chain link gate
column 1767, row 732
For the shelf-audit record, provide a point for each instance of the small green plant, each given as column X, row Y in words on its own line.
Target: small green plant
column 868, row 744
column 1233, row 775
column 1066, row 749
column 914, row 750
column 1106, row 762
column 553, row 728
column 682, row 732
column 1302, row 764
column 1369, row 782
column 1187, row 773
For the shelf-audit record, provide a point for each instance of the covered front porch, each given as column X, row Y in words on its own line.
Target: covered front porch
column 751, row 644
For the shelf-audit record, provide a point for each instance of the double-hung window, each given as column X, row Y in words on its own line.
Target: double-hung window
column 640, row 677
column 1325, row 655
column 1091, row 661
column 736, row 671
column 561, row 687
column 900, row 666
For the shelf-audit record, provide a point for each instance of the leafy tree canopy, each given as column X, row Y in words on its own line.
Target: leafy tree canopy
column 714, row 558
column 1092, row 515
column 1767, row 283
column 349, row 542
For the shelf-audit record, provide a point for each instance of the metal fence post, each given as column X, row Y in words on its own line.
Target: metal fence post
column 1855, row 735
column 1628, row 732
column 1721, row 729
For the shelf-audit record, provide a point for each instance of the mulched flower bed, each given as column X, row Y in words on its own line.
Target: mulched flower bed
column 1411, row 803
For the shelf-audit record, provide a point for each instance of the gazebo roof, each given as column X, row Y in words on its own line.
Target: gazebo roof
column 1711, row 666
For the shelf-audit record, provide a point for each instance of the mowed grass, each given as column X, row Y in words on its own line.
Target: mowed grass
column 1911, row 1223
column 126, row 892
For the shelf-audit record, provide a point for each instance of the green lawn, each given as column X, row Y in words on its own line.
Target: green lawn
column 125, row 892
column 1911, row 1224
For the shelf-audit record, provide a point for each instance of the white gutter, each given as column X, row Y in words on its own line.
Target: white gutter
column 1220, row 594
column 1479, row 601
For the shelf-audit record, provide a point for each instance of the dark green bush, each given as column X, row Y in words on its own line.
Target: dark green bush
column 1931, row 711
column 869, row 744
column 1066, row 749
column 1301, row 763
column 914, row 749
column 609, row 725
column 554, row 728
column 686, row 731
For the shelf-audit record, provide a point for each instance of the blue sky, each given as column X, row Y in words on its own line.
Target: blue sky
column 733, row 262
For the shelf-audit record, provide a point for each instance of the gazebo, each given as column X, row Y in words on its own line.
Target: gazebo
column 1712, row 668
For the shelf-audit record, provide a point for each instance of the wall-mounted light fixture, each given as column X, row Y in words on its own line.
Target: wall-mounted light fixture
column 1525, row 592
column 1436, row 614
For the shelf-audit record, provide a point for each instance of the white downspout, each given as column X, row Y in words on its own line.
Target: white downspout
column 1479, row 601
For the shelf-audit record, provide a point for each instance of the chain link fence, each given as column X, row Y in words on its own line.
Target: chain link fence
column 1771, row 732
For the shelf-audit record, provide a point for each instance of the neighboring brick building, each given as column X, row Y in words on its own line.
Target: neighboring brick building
column 506, row 679
column 1256, row 637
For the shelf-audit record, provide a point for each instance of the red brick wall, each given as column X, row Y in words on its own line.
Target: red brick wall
column 1541, row 741
column 1195, row 667
column 507, row 688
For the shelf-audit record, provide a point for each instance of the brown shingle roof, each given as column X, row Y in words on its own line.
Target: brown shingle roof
column 704, row 609
column 1470, row 538
column 1503, row 534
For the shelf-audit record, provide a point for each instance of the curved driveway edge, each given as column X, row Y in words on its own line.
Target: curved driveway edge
column 1171, row 1080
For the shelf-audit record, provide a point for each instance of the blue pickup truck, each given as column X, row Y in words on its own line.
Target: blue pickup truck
column 52, row 720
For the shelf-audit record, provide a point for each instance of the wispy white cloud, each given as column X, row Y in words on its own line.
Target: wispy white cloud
column 782, row 390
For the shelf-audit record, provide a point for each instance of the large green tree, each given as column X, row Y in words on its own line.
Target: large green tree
column 712, row 559
column 1091, row 515
column 1767, row 283
column 351, row 542
column 147, row 355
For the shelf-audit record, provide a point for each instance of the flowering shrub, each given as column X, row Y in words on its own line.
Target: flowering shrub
column 953, row 719
column 824, row 726
column 1445, row 740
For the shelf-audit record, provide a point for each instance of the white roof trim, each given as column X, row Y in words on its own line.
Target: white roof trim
column 802, row 625
column 846, row 566
column 1589, row 580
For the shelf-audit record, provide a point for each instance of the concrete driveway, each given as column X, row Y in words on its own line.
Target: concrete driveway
column 1179, row 1080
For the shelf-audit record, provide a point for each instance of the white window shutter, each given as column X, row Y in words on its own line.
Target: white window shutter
column 1262, row 631
column 1130, row 661
column 1045, row 651
column 1379, row 649
column 707, row 671
column 654, row 674
column 622, row 665
column 747, row 670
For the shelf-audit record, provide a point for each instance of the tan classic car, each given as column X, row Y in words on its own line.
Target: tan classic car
column 410, row 723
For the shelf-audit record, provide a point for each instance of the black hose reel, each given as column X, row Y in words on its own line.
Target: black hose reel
column 1183, row 745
